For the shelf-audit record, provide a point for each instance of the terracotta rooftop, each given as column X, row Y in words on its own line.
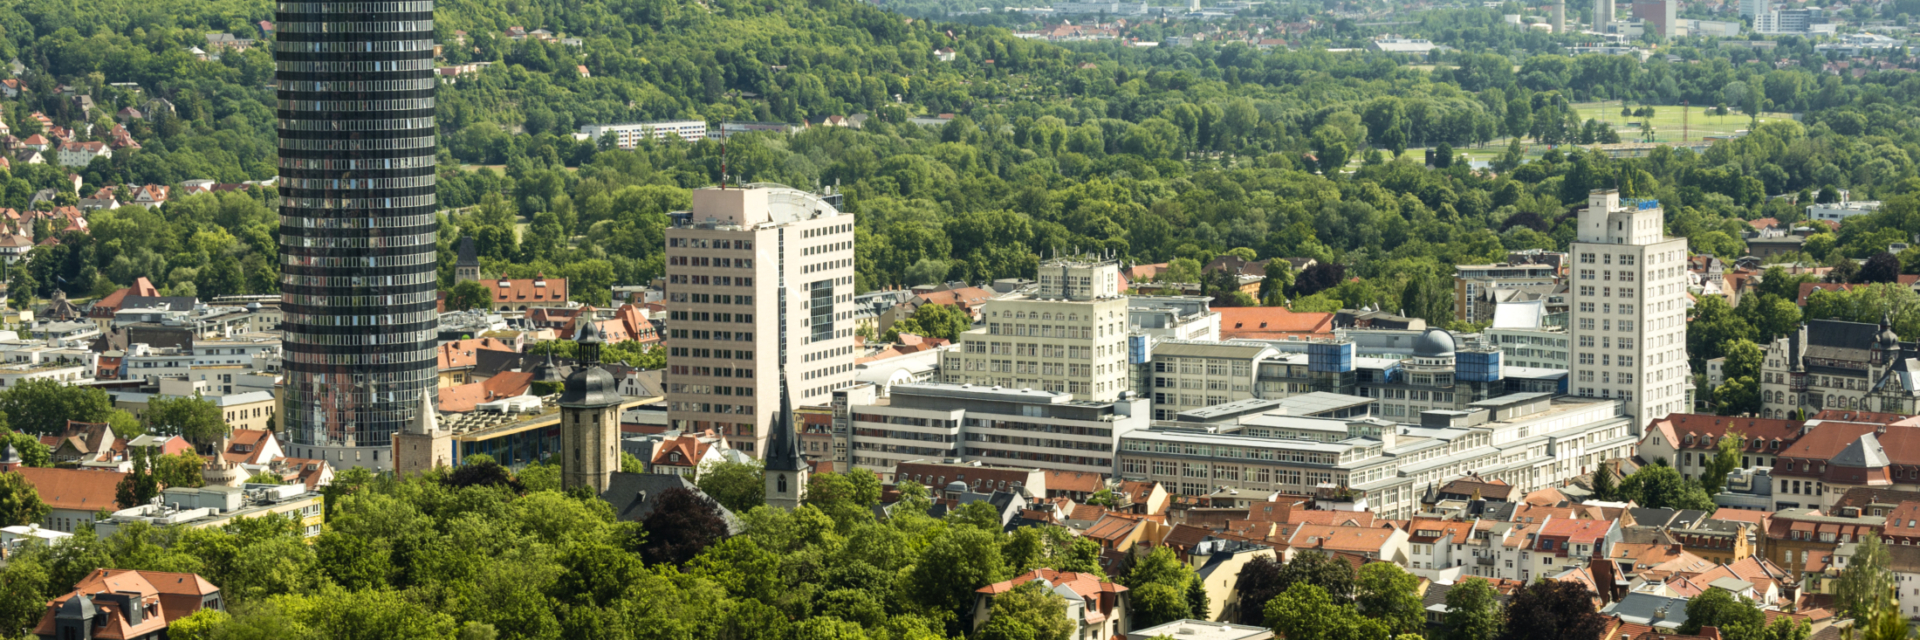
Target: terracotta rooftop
column 73, row 489
column 1273, row 323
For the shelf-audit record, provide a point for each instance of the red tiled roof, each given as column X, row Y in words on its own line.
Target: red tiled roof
column 690, row 448
column 1331, row 538
column 1075, row 481
column 1273, row 323
column 1707, row 429
column 73, row 489
column 538, row 289
column 467, row 397
column 1577, row 531
column 963, row 297
column 465, row 353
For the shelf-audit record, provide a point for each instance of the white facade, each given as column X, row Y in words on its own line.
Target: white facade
column 1838, row 211
column 1067, row 333
column 742, row 263
column 1525, row 440
column 998, row 426
column 1629, row 327
column 631, row 133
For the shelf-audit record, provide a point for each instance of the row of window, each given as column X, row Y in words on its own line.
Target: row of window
column 704, row 243
column 1606, row 275
column 358, row 222
column 328, row 320
column 369, row 339
column 706, row 261
column 815, row 233
column 1606, row 359
column 337, row 164
column 354, row 66
column 376, row 46
column 401, row 280
column 414, row 6
column 1626, row 259
column 359, row 86
column 708, row 298
column 831, row 246
column 707, row 316
column 372, row 124
column 723, row 281
column 1605, row 292
column 388, row 300
column 370, row 358
column 362, row 242
column 404, row 260
column 703, row 334
column 403, row 182
column 358, row 144
column 396, row 104
column 361, row 203
column 372, row 26
column 823, row 266
column 723, row 354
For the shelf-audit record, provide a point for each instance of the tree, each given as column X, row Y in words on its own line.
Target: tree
column 469, row 294
column 1263, row 579
column 1387, row 593
column 1030, row 611
column 1725, row 459
column 182, row 469
column 931, row 321
column 1659, row 486
column 1104, row 498
column 683, row 524
column 1279, row 278
column 19, row 501
column 847, row 497
column 1473, row 611
column 630, row 463
column 1881, row 267
column 139, row 486
column 1735, row 616
column 1603, row 486
column 738, row 486
column 1307, row 612
column 1159, row 583
column 42, row 406
column 1553, row 609
column 1331, row 150
column 954, row 564
column 33, row 452
column 192, row 417
column 1786, row 628
column 198, row 626
column 1865, row 582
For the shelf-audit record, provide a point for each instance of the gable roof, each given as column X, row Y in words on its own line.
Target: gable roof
column 536, row 289
column 73, row 489
column 1272, row 323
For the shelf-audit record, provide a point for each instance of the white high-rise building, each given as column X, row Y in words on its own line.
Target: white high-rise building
column 1755, row 9
column 1067, row 333
column 1602, row 15
column 1629, row 323
column 750, row 273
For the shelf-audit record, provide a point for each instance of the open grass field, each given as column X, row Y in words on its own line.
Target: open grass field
column 1667, row 126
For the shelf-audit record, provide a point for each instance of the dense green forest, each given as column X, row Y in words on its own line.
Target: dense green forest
column 1154, row 154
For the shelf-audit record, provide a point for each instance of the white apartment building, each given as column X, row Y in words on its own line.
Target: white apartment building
column 994, row 425
column 1173, row 318
column 1838, row 211
column 1629, row 325
column 631, row 133
column 758, row 279
column 1066, row 333
column 1189, row 374
column 1527, row 440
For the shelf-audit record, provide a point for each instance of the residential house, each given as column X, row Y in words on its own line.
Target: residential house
column 78, row 154
column 1098, row 608
column 1273, row 323
column 523, row 294
column 73, row 496
column 126, row 604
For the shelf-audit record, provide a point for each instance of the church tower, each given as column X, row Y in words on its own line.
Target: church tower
column 786, row 472
column 589, row 418
column 423, row 445
column 466, row 267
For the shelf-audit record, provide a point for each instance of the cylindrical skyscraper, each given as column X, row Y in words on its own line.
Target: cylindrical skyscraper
column 357, row 224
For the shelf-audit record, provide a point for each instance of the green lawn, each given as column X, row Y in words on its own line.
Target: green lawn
column 1666, row 127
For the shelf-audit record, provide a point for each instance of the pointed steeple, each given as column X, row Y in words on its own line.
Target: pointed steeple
column 429, row 419
column 783, row 452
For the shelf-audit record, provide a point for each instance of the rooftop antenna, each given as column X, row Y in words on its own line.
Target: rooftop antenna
column 723, row 163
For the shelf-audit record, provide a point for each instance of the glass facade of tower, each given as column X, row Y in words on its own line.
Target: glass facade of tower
column 357, row 225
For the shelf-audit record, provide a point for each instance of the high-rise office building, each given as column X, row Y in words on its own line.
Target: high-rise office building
column 357, row 226
column 1067, row 333
column 1659, row 16
column 750, row 270
column 1602, row 15
column 1559, row 14
column 1629, row 324
column 1755, row 9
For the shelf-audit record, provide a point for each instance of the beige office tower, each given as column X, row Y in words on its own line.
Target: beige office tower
column 1602, row 15
column 1629, row 321
column 1067, row 332
column 1559, row 16
column 748, row 271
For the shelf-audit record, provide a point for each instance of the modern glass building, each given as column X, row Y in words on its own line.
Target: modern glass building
column 357, row 226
